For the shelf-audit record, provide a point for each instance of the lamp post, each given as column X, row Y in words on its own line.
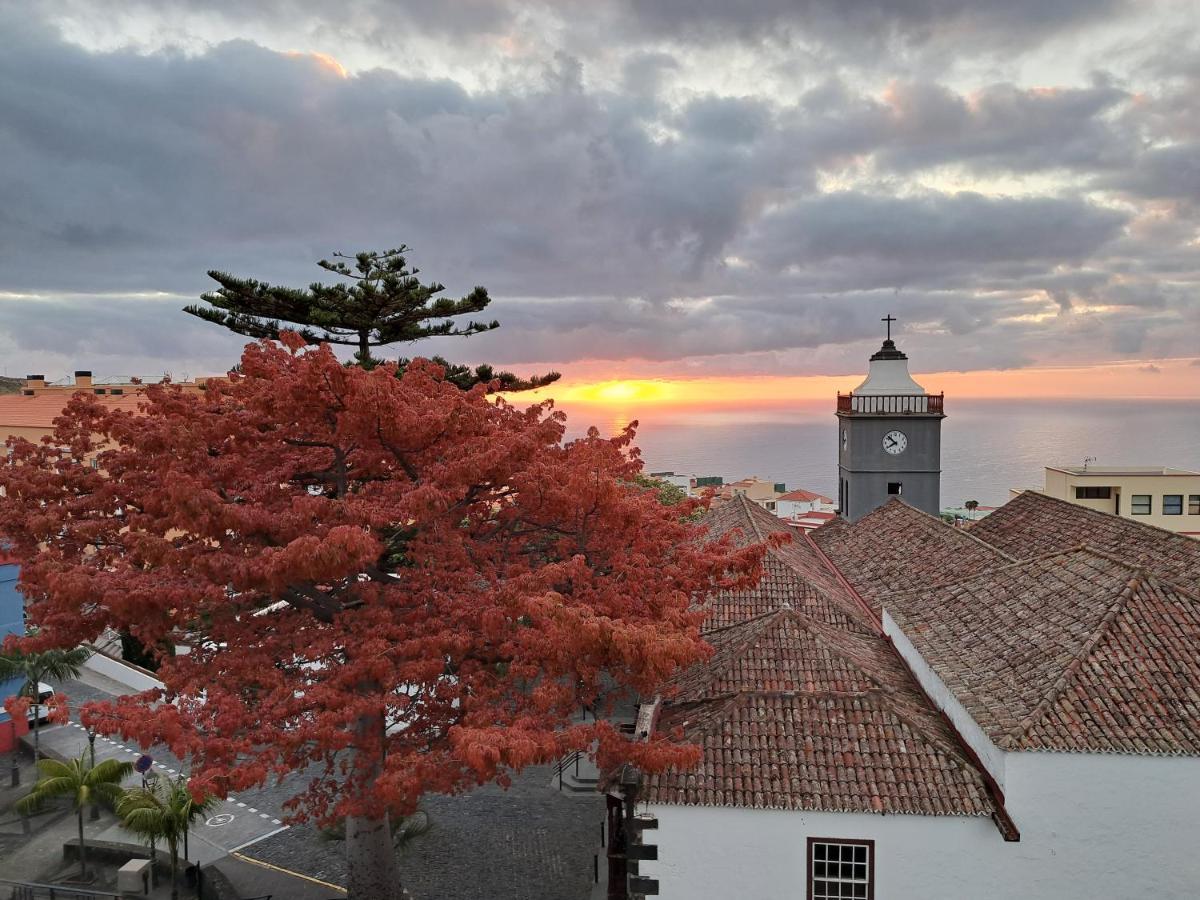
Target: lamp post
column 142, row 767
column 16, row 762
column 91, row 733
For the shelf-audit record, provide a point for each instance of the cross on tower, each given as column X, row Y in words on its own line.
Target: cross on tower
column 889, row 319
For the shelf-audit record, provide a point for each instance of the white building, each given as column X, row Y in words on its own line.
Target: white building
column 901, row 709
column 798, row 503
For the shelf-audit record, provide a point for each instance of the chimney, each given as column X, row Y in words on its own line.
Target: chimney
column 83, row 379
column 33, row 383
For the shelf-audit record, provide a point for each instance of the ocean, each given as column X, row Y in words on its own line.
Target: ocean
column 988, row 446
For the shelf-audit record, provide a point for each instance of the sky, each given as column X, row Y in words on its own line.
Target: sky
column 702, row 202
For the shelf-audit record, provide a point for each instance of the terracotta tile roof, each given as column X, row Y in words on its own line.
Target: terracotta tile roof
column 803, row 496
column 793, row 573
column 792, row 713
column 1074, row 651
column 19, row 411
column 897, row 547
column 1032, row 524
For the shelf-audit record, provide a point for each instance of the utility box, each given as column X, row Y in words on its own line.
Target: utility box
column 133, row 878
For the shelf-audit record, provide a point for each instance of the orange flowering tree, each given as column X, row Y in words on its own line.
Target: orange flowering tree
column 410, row 585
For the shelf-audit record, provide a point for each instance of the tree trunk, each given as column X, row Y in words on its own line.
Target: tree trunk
column 82, row 849
column 370, row 856
column 174, row 871
column 37, row 721
column 364, row 347
column 371, row 860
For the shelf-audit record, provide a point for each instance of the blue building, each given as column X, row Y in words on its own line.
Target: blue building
column 12, row 621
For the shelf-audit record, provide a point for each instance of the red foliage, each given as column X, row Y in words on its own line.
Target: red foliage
column 408, row 585
column 17, row 706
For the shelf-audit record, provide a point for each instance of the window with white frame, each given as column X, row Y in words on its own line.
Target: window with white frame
column 839, row 869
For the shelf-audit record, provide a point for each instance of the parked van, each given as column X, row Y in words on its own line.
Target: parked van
column 45, row 692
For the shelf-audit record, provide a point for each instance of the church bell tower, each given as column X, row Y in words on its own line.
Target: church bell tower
column 889, row 438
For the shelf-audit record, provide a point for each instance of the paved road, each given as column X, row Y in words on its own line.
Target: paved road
column 237, row 822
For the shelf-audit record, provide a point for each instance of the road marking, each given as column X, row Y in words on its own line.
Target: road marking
column 242, row 805
column 220, row 819
column 263, row 816
column 276, row 822
column 259, row 862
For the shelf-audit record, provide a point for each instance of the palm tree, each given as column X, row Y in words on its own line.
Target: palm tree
column 971, row 506
column 34, row 668
column 164, row 810
column 83, row 783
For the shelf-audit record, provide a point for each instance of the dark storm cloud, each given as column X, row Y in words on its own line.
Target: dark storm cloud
column 621, row 222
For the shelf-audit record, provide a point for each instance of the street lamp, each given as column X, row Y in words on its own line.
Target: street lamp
column 91, row 733
column 16, row 747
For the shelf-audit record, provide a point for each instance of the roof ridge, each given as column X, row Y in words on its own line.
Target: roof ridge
column 1093, row 513
column 746, row 504
column 1099, row 632
column 963, row 532
column 843, row 581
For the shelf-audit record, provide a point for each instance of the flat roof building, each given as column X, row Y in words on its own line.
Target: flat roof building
column 1154, row 495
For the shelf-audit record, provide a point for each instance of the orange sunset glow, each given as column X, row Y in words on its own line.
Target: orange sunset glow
column 1164, row 379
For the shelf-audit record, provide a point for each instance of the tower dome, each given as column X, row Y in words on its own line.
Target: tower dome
column 888, row 373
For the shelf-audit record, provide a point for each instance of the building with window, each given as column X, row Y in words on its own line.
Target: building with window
column 799, row 503
column 1156, row 495
column 905, row 709
column 31, row 412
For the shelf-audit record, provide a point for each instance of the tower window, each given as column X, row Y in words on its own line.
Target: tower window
column 1172, row 504
column 1139, row 505
column 1194, row 504
column 895, row 488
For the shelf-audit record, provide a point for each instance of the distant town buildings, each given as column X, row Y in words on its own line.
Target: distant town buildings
column 1153, row 495
column 31, row 412
column 800, row 508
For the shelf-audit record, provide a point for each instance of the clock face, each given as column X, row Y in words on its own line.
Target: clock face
column 894, row 442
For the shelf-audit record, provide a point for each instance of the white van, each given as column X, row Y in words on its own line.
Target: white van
column 45, row 692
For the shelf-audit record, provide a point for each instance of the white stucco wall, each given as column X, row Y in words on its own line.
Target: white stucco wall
column 1093, row 827
column 133, row 677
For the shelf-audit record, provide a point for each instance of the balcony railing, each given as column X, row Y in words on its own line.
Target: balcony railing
column 891, row 404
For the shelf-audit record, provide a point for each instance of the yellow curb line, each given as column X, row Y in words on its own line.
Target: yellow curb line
column 266, row 865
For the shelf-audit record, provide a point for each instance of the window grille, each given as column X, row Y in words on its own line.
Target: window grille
column 839, row 869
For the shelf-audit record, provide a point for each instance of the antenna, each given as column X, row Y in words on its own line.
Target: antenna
column 1086, row 460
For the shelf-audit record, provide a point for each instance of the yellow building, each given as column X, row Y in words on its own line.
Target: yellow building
column 1168, row 498
column 37, row 386
column 31, row 412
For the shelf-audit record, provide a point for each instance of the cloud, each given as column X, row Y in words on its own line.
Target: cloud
column 651, row 213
